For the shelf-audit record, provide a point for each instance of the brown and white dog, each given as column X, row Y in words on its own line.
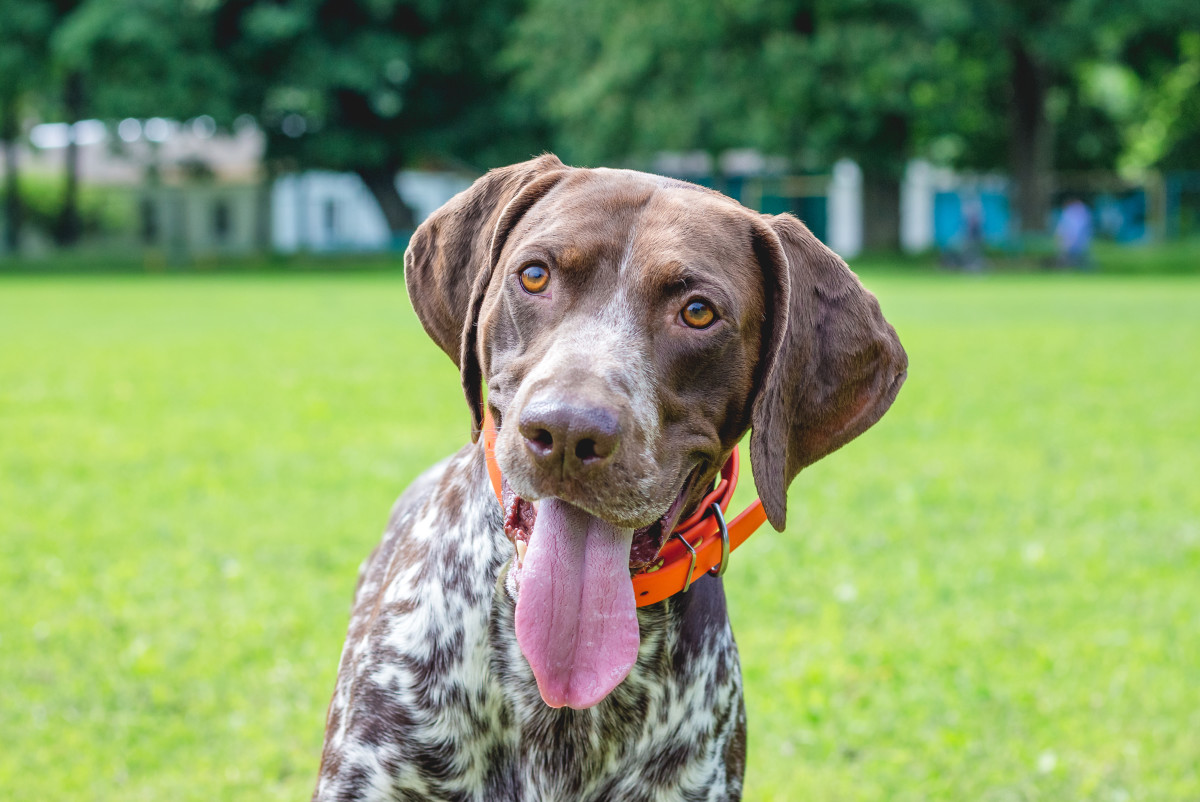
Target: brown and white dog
column 630, row 329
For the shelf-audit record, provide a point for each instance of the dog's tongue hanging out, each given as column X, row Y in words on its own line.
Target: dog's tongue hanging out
column 576, row 614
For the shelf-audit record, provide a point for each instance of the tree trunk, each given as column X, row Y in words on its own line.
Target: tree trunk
column 70, row 227
column 382, row 183
column 1032, row 140
column 881, row 213
column 262, row 203
column 12, row 191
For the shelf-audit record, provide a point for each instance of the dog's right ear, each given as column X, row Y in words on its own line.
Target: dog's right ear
column 450, row 258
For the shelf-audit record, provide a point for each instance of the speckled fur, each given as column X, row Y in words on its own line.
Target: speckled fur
column 434, row 699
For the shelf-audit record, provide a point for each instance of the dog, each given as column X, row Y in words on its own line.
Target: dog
column 629, row 329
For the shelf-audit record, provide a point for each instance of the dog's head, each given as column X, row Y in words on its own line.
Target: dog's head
column 630, row 328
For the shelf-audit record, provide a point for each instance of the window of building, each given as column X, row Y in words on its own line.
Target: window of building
column 221, row 219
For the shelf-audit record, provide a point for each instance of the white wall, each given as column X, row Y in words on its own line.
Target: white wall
column 845, row 210
column 327, row 211
column 426, row 192
column 916, row 207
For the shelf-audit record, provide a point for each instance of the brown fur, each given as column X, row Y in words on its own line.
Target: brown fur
column 813, row 363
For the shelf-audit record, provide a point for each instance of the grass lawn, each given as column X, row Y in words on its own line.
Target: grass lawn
column 993, row 595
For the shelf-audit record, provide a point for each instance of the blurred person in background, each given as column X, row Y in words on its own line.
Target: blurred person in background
column 1074, row 234
column 973, row 242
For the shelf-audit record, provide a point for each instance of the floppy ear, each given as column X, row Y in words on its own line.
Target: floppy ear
column 449, row 260
column 833, row 365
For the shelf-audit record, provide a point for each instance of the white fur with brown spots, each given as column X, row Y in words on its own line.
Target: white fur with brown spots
column 434, row 700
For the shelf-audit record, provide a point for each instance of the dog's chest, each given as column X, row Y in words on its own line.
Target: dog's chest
column 434, row 699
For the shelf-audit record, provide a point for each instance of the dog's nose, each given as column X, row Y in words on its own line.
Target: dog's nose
column 569, row 432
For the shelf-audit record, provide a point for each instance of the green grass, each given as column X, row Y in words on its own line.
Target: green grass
column 1171, row 257
column 993, row 595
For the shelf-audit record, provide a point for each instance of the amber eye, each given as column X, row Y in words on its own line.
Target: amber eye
column 535, row 278
column 698, row 315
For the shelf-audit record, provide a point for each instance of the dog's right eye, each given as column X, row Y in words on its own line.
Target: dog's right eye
column 698, row 315
column 535, row 278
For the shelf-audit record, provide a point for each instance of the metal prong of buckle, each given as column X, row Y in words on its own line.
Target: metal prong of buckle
column 719, row 568
column 687, row 580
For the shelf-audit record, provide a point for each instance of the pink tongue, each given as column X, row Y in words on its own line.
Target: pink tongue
column 576, row 615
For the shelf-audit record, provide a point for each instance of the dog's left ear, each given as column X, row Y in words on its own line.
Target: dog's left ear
column 449, row 261
column 831, row 364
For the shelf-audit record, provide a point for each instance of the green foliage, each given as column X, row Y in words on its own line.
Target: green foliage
column 622, row 79
column 366, row 86
column 374, row 85
column 101, row 209
column 145, row 58
column 843, row 77
column 24, row 32
column 812, row 81
column 1153, row 99
column 360, row 85
column 25, row 25
column 877, row 80
column 1153, row 133
column 990, row 595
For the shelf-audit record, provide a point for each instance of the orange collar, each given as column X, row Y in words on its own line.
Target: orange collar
column 700, row 543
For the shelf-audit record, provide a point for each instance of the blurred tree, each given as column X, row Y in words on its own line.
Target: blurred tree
column 1037, row 57
column 371, row 86
column 623, row 79
column 1154, row 92
column 69, row 225
column 367, row 86
column 982, row 84
column 810, row 79
column 841, row 81
column 143, row 58
column 132, row 58
column 1027, row 49
column 26, row 28
column 374, row 85
column 1175, row 109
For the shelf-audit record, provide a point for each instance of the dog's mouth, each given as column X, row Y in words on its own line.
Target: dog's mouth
column 520, row 515
column 576, row 616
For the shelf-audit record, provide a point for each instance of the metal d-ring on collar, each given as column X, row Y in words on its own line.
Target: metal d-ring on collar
column 687, row 580
column 719, row 568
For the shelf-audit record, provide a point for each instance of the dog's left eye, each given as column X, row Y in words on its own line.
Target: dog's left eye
column 535, row 278
column 698, row 315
